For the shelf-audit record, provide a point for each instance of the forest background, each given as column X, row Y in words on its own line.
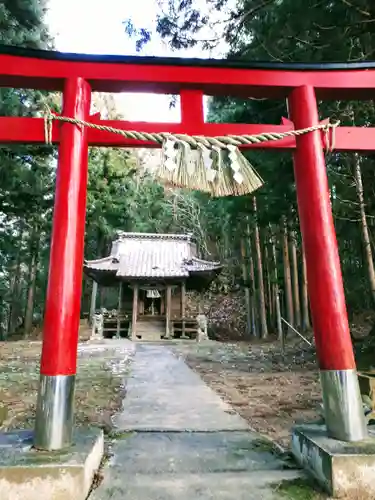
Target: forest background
column 257, row 238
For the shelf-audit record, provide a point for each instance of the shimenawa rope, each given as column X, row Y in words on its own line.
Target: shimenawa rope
column 194, row 141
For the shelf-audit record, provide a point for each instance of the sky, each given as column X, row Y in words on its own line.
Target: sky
column 96, row 27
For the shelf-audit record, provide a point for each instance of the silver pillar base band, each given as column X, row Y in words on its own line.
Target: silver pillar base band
column 344, row 415
column 54, row 420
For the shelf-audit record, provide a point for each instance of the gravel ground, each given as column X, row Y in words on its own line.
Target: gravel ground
column 100, row 385
column 270, row 389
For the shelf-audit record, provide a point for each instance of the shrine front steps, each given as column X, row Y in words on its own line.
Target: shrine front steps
column 153, row 329
column 150, row 330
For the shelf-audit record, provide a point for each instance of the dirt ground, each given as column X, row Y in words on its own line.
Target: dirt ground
column 270, row 389
column 99, row 386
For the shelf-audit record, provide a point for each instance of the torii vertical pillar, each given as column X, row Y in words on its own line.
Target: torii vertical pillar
column 55, row 405
column 340, row 389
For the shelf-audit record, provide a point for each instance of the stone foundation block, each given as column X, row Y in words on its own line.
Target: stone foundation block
column 28, row 474
column 342, row 469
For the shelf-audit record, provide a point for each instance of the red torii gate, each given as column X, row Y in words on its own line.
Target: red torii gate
column 77, row 76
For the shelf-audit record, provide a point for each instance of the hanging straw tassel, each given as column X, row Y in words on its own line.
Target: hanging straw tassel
column 219, row 172
column 188, row 168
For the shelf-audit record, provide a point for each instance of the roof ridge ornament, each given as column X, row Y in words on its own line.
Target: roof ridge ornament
column 123, row 235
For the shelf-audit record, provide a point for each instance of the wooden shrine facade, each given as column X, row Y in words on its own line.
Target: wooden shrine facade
column 153, row 273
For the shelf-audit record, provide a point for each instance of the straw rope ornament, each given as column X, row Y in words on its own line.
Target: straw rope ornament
column 218, row 171
column 210, row 164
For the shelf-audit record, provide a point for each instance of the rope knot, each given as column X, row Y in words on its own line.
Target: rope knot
column 48, row 124
column 329, row 130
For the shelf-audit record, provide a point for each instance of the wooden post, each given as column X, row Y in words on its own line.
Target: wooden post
column 119, row 310
column 141, row 300
column 135, row 311
column 343, row 407
column 93, row 301
column 200, row 303
column 183, row 306
column 168, row 310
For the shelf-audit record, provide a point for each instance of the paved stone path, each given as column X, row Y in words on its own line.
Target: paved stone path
column 183, row 441
column 164, row 394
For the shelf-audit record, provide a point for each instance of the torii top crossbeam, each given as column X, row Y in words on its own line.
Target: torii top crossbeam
column 41, row 69
column 191, row 79
column 77, row 76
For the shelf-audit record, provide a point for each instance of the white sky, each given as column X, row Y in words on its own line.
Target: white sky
column 96, row 27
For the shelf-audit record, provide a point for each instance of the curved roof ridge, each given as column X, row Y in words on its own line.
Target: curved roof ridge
column 98, row 261
column 155, row 236
column 205, row 261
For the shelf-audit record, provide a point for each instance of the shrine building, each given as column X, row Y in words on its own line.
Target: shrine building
column 152, row 273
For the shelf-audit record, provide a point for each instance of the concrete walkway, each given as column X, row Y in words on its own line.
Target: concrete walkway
column 164, row 394
column 183, row 441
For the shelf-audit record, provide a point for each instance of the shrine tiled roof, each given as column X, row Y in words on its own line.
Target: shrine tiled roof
column 145, row 255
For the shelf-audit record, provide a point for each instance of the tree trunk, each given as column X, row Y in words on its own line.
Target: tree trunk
column 15, row 289
column 227, row 242
column 268, row 283
column 364, row 226
column 287, row 278
column 15, row 269
column 246, row 288
column 297, row 304
column 33, row 270
column 276, row 290
column 254, row 326
column 305, row 297
column 254, row 316
column 262, row 303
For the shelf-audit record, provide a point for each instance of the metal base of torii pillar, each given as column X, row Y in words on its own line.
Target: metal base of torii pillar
column 55, row 406
column 341, row 396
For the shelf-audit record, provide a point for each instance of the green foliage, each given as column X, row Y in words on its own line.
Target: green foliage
column 299, row 489
column 287, row 31
column 120, row 197
column 22, row 23
column 26, row 174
